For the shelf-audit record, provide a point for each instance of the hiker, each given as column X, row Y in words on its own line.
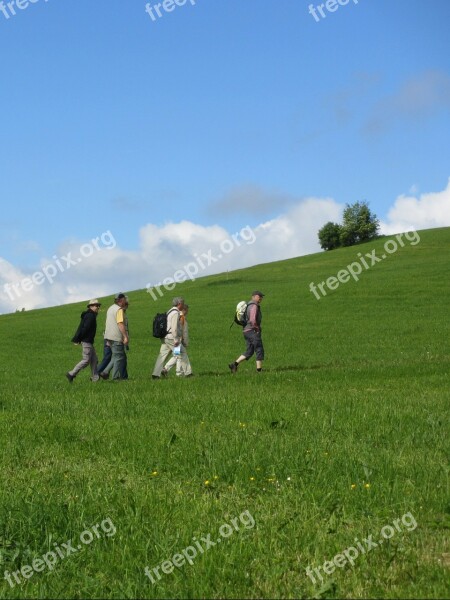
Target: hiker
column 183, row 365
column 117, row 336
column 252, row 334
column 85, row 335
column 173, row 337
column 107, row 352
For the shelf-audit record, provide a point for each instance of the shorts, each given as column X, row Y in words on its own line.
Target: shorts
column 254, row 345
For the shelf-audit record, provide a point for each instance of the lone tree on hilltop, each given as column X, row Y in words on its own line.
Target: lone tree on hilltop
column 359, row 225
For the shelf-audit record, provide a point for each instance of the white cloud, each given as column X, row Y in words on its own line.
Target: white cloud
column 167, row 249
column 425, row 212
column 174, row 246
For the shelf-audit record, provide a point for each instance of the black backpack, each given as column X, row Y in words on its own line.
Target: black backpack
column 160, row 325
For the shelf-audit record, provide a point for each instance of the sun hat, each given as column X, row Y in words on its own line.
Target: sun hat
column 94, row 302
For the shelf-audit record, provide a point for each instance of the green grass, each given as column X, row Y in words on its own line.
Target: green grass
column 344, row 432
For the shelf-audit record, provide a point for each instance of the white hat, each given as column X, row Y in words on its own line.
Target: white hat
column 94, row 302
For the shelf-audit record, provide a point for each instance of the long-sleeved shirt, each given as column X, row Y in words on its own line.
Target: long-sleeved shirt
column 87, row 328
column 174, row 328
column 254, row 317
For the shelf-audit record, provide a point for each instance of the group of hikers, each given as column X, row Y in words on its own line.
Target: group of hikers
column 174, row 340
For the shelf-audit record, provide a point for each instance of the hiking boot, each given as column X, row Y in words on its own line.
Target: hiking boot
column 233, row 367
column 104, row 375
column 70, row 377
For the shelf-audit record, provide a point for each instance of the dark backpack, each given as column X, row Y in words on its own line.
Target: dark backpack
column 160, row 325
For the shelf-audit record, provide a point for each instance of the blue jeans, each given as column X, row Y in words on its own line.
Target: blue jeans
column 118, row 360
column 107, row 353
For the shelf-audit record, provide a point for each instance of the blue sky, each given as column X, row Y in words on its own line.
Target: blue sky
column 220, row 114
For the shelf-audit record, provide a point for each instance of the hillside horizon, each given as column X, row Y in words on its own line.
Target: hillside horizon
column 109, row 297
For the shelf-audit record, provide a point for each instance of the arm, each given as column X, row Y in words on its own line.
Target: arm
column 123, row 331
column 121, row 326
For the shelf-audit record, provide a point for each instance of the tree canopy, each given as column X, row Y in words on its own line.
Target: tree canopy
column 360, row 224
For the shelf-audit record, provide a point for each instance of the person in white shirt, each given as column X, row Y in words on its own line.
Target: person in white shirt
column 172, row 339
column 183, row 364
column 117, row 336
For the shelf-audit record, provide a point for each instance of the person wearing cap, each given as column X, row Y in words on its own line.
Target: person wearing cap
column 117, row 336
column 107, row 352
column 85, row 335
column 252, row 334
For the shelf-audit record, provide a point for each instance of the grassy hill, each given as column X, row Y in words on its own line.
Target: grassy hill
column 342, row 440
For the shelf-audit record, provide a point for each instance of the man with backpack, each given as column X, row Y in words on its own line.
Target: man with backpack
column 182, row 362
column 251, row 322
column 85, row 335
column 171, row 334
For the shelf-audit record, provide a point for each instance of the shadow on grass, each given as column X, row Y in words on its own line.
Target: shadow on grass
column 270, row 370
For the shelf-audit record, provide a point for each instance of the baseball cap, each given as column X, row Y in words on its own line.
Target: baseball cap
column 94, row 302
column 257, row 293
column 120, row 296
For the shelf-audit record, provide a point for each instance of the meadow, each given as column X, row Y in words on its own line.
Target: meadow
column 343, row 434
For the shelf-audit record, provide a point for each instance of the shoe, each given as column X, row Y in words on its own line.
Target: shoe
column 70, row 377
column 233, row 367
column 155, row 377
column 164, row 373
column 104, row 375
column 190, row 375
